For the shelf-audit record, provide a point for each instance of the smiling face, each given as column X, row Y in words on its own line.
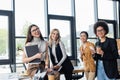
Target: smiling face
column 100, row 32
column 55, row 35
column 83, row 37
column 35, row 32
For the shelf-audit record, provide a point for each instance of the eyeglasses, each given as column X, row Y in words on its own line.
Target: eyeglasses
column 35, row 30
column 100, row 30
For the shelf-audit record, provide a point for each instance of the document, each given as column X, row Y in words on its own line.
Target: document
column 39, row 75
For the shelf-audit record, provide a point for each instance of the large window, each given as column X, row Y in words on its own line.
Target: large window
column 27, row 12
column 6, row 35
column 85, row 18
column 6, row 5
column 4, row 48
column 60, row 7
column 6, row 38
column 84, row 15
column 111, row 30
column 105, row 9
column 64, row 28
column 61, row 16
column 31, row 12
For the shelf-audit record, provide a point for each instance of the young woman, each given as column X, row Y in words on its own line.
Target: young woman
column 34, row 37
column 58, row 57
column 107, row 53
column 87, row 49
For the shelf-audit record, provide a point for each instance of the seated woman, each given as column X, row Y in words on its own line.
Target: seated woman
column 58, row 57
column 34, row 37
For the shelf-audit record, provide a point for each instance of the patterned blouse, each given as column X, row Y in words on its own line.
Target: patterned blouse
column 86, row 56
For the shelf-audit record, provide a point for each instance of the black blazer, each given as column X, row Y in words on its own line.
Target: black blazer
column 109, row 57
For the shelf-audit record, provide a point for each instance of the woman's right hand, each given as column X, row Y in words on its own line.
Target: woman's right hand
column 99, row 51
column 38, row 55
column 92, row 49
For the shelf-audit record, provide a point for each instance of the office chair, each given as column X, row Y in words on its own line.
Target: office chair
column 76, row 76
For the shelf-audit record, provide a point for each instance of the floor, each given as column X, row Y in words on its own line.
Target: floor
column 6, row 69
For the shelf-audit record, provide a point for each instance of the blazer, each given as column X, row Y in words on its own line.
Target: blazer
column 109, row 57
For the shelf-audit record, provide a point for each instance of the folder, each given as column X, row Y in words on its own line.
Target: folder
column 31, row 51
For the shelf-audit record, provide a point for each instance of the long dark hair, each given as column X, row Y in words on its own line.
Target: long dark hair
column 29, row 36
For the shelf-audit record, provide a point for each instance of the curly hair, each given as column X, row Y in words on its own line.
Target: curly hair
column 102, row 24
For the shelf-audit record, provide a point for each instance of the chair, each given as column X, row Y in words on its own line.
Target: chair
column 76, row 76
column 18, row 65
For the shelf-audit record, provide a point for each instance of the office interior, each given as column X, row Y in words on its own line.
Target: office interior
column 69, row 16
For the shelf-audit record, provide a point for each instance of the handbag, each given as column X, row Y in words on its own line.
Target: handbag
column 33, row 68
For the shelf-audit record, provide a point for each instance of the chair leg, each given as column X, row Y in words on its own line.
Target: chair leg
column 11, row 67
column 24, row 66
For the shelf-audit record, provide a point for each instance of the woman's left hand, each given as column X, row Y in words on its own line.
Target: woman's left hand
column 46, row 67
column 49, row 70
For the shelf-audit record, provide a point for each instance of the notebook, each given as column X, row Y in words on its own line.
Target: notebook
column 32, row 50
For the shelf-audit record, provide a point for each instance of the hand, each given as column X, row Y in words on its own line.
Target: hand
column 46, row 66
column 49, row 70
column 92, row 49
column 99, row 50
column 38, row 55
column 82, row 53
column 119, row 51
column 56, row 67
